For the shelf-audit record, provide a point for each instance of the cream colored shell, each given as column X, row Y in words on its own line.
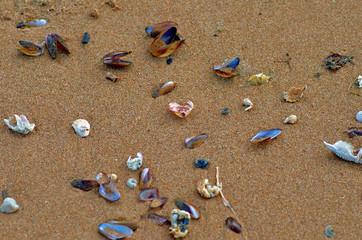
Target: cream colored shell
column 291, row 119
column 81, row 127
column 19, row 124
column 9, row 206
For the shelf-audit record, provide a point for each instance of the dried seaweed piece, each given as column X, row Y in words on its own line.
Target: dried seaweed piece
column 294, row 94
column 166, row 43
column 195, row 141
column 114, row 59
column 179, row 220
column 185, row 206
column 148, row 194
column 156, row 29
column 354, row 132
column 226, row 69
column 83, row 184
column 345, row 151
column 163, row 89
column 54, row 43
column 158, row 202
column 265, row 135
column 31, row 49
column 145, row 178
column 181, row 111
column 114, row 230
column 233, row 225
column 335, row 61
column 32, row 23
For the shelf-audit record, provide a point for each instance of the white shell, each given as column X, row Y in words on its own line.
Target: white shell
column 248, row 103
column 81, row 127
column 9, row 206
column 132, row 183
column 344, row 150
column 291, row 119
column 359, row 116
column 135, row 163
column 359, row 81
column 22, row 124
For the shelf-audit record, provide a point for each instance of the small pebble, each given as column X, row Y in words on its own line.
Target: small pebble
column 359, row 116
column 132, row 183
column 169, row 61
column 201, row 163
column 86, row 38
column 225, row 111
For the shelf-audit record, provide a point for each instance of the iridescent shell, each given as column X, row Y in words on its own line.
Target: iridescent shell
column 19, row 124
column 156, row 29
column 32, row 23
column 30, row 49
column 195, row 141
column 265, row 135
column 181, row 111
column 163, row 89
column 185, row 206
column 114, row 59
column 226, row 69
column 166, row 43
column 54, row 44
column 114, row 230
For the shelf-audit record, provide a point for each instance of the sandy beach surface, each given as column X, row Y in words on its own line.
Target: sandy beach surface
column 291, row 187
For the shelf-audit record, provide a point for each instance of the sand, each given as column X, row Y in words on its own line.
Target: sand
column 289, row 188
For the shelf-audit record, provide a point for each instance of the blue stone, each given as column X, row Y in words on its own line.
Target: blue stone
column 201, row 163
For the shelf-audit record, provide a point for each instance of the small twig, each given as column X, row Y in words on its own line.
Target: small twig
column 5, row 194
column 287, row 61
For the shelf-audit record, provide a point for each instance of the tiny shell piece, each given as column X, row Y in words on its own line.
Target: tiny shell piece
column 157, row 218
column 135, row 163
column 84, row 185
column 291, row 119
column 225, row 111
column 148, row 194
column 31, row 49
column 114, row 59
column 145, row 178
column 179, row 220
column 132, row 183
column 345, row 151
column 226, row 69
column 181, row 111
column 359, row 116
column 233, row 225
column 9, row 206
column 258, row 79
column 185, row 206
column 81, row 127
column 32, row 23
column 163, row 89
column 19, row 124
column 206, row 190
column 114, row 231
column 329, row 231
column 158, row 202
column 248, row 103
column 111, row 77
column 294, row 94
column 86, row 38
column 354, row 132
column 113, row 176
column 359, row 82
column 265, row 135
column 195, row 141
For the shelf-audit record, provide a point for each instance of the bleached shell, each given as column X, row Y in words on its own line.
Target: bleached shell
column 248, row 103
column 359, row 81
column 359, row 116
column 22, row 124
column 344, row 150
column 81, row 127
column 291, row 119
column 135, row 163
column 132, row 183
column 259, row 79
column 9, row 206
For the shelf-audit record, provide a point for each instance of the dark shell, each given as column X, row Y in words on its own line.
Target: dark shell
column 158, row 202
column 54, row 43
column 233, row 225
column 201, row 163
column 32, row 23
column 4, row 194
column 163, row 89
column 115, row 231
column 148, row 194
column 227, row 67
column 166, row 43
column 158, row 219
column 156, row 29
column 86, row 38
column 185, row 206
column 169, row 60
column 354, row 132
column 84, row 185
column 114, row 59
column 145, row 178
column 335, row 61
column 264, row 135
column 30, row 49
column 195, row 141
column 109, row 191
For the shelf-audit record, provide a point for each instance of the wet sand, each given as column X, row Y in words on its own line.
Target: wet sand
column 289, row 188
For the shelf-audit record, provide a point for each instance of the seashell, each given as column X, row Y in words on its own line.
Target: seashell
column 114, row 230
column 358, row 82
column 102, row 178
column 294, row 94
column 81, row 127
column 32, row 23
column 354, row 132
column 206, row 190
column 345, row 151
column 181, row 111
column 157, row 218
column 258, row 79
column 329, row 231
column 179, row 220
column 148, row 194
column 195, row 141
column 54, row 43
column 156, row 29
column 112, row 176
column 9, row 206
column 158, row 202
column 111, row 77
column 84, row 185
column 109, row 191
column 291, row 119
column 185, row 206
column 169, row 60
column 19, row 124
column 145, row 178
column 163, row 89
column 131, row 225
column 265, row 135
column 248, row 104
column 85, row 38
column 225, row 111
column 30, row 49
column 114, row 59
column 359, row 116
column 233, row 225
column 132, row 183
column 226, row 69
column 335, row 61
column 166, row 43
column 201, row 163
column 135, row 163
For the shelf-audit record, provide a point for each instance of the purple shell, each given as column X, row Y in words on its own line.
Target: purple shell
column 264, row 135
column 148, row 194
column 109, row 191
column 114, row 231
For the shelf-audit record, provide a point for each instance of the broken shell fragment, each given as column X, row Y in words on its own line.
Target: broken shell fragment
column 265, row 135
column 30, row 49
column 109, row 191
column 32, row 23
column 233, row 225
column 248, row 104
column 354, row 132
column 145, row 178
column 157, row 218
column 19, row 124
column 54, row 43
column 9, row 206
column 113, row 230
column 291, row 119
column 206, row 190
column 111, row 77
column 329, row 231
column 294, row 94
column 195, row 141
column 359, row 116
column 102, row 178
column 163, row 89
column 158, row 202
column 226, row 69
column 148, row 194
column 114, row 59
column 201, row 163
column 185, row 206
column 358, row 82
column 166, row 43
column 179, row 220
column 135, row 163
column 258, row 79
column 132, row 183
column 84, row 185
column 345, row 151
column 81, row 127
column 181, row 111
column 156, row 29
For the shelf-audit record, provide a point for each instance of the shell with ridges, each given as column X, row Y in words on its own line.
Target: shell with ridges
column 344, row 150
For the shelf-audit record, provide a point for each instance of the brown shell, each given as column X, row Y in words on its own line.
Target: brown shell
column 114, row 59
column 294, row 94
column 195, row 141
column 160, row 27
column 160, row 49
column 163, row 89
column 30, row 49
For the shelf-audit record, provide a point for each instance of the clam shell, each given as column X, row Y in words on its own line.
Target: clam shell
column 264, row 135
column 32, row 23
column 156, row 29
column 291, row 119
column 19, row 124
column 181, row 111
column 81, row 127
column 233, row 225
column 109, row 191
column 114, row 230
column 114, row 59
column 54, row 43
column 227, row 67
column 84, row 185
column 148, row 194
column 30, row 49
column 145, row 178
column 158, row 202
column 163, row 89
column 185, row 206
column 166, row 43
column 195, row 141
column 294, row 94
column 9, row 206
